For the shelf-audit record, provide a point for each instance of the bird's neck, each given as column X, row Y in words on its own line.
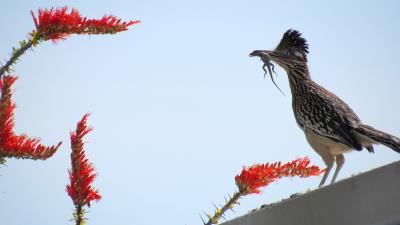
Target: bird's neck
column 299, row 78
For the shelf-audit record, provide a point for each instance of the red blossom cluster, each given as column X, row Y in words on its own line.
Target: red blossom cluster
column 57, row 24
column 252, row 178
column 82, row 172
column 17, row 146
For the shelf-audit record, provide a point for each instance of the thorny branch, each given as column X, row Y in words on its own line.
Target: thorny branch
column 15, row 55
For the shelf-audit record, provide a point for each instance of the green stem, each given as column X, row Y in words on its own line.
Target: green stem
column 2, row 160
column 220, row 212
column 79, row 215
column 15, row 55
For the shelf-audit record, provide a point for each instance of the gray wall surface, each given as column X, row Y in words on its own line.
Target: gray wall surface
column 371, row 198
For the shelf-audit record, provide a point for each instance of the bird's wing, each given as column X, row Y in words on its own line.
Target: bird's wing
column 343, row 131
column 339, row 118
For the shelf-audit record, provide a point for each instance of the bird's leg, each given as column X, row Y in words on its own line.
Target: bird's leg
column 328, row 159
column 339, row 164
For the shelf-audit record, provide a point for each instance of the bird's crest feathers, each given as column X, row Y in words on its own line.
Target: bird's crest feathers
column 292, row 41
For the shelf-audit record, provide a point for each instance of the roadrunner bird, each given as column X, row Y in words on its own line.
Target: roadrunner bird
column 329, row 124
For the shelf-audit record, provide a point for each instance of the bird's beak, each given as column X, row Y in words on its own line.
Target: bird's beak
column 254, row 53
column 259, row 53
column 271, row 54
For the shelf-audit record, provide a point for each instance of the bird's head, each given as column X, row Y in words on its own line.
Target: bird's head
column 291, row 49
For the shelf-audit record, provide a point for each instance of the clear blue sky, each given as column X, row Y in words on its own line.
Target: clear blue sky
column 178, row 106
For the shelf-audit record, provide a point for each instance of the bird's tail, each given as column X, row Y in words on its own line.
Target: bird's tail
column 380, row 136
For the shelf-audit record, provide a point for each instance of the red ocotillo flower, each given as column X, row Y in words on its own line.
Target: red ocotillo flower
column 56, row 24
column 81, row 173
column 260, row 175
column 17, row 146
column 252, row 178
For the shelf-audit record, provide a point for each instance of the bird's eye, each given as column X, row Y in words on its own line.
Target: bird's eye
column 298, row 54
column 294, row 52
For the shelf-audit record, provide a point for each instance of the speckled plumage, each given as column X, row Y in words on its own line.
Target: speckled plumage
column 331, row 127
column 322, row 112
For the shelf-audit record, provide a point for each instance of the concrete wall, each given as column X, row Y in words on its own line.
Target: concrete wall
column 371, row 198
